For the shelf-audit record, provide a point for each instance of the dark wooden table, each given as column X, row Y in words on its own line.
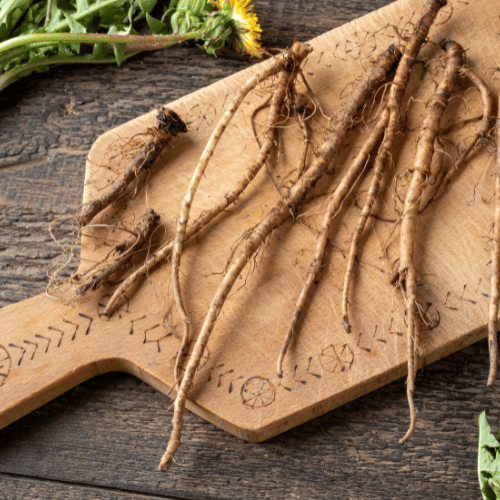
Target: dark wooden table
column 103, row 439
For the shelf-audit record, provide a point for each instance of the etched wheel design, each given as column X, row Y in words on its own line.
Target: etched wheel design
column 257, row 392
column 337, row 358
column 5, row 362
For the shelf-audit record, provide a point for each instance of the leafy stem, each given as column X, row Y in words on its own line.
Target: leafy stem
column 89, row 11
column 34, row 37
column 15, row 74
column 68, row 38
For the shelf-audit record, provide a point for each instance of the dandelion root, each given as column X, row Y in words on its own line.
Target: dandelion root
column 288, row 62
column 168, row 126
column 487, row 103
column 381, row 160
column 125, row 251
column 495, row 272
column 282, row 210
column 407, row 279
column 394, row 119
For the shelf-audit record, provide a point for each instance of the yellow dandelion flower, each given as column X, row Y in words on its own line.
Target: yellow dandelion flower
column 248, row 32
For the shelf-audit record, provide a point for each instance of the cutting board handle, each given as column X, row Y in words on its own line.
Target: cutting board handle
column 45, row 350
column 48, row 347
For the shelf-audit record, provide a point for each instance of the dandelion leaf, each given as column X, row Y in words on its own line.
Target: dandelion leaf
column 488, row 460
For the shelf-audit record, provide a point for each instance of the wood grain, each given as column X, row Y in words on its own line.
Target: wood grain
column 437, row 460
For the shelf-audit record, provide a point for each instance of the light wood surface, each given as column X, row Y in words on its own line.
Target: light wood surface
column 49, row 346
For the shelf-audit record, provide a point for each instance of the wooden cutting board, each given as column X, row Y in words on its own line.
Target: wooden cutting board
column 49, row 345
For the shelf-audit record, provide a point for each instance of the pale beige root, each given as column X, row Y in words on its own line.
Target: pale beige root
column 288, row 62
column 444, row 178
column 168, row 126
column 410, row 295
column 436, row 176
column 394, row 118
column 300, row 114
column 124, row 251
column 159, row 256
column 406, row 279
column 303, row 113
column 486, row 122
column 379, row 167
column 495, row 272
column 282, row 210
column 337, row 198
column 204, row 219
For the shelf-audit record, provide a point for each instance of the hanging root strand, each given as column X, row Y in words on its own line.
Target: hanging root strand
column 486, row 123
column 495, row 271
column 381, row 159
column 406, row 279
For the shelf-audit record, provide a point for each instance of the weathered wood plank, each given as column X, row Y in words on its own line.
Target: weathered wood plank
column 28, row 251
column 22, row 488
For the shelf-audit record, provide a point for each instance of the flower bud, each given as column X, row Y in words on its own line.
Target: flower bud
column 188, row 15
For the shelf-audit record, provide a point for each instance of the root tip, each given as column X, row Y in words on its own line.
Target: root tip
column 106, row 315
column 491, row 376
column 408, row 435
column 279, row 364
column 165, row 463
column 411, row 428
column 346, row 324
